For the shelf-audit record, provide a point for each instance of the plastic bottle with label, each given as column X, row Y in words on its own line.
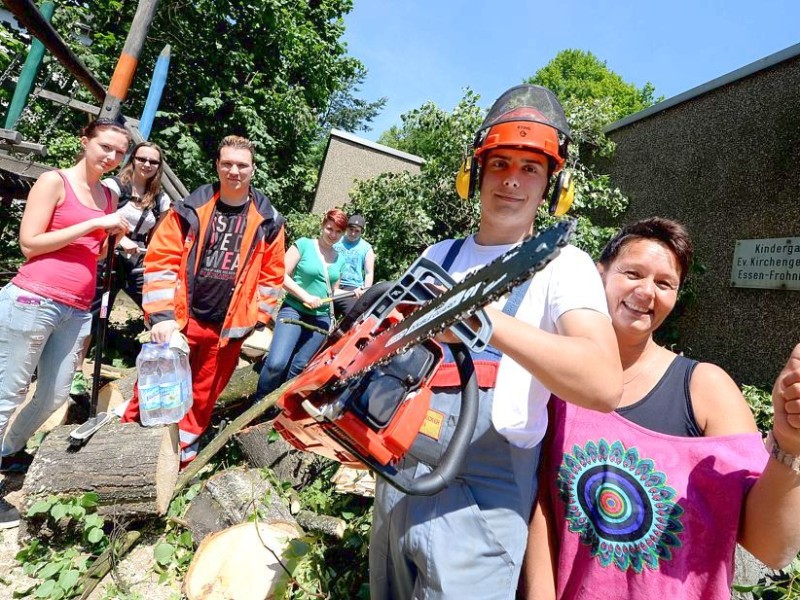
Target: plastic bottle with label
column 170, row 383
column 149, row 379
column 185, row 374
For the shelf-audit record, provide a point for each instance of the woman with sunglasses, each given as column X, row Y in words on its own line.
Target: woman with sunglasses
column 142, row 204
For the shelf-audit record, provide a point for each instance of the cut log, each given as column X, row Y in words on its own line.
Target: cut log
column 238, row 391
column 110, row 397
column 241, row 562
column 107, row 371
column 124, row 385
column 263, row 447
column 232, row 497
column 257, row 343
column 133, row 469
column 326, row 524
column 348, row 480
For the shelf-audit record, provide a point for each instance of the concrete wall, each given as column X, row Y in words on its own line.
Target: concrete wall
column 725, row 162
column 349, row 158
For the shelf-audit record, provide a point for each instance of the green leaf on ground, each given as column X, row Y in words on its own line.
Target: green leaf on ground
column 163, row 553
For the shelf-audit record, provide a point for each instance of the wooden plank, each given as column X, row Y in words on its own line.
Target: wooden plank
column 76, row 104
column 10, row 135
column 23, row 168
column 26, row 148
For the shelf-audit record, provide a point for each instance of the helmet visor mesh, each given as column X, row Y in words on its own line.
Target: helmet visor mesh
column 512, row 105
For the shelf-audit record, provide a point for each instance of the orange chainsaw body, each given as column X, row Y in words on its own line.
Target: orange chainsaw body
column 308, row 422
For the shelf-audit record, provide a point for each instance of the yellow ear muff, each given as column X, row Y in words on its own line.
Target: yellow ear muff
column 563, row 194
column 463, row 178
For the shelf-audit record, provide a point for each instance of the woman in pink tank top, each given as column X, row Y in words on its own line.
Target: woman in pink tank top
column 649, row 501
column 44, row 310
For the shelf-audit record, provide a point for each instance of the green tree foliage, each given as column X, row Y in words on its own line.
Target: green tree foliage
column 346, row 111
column 405, row 212
column 579, row 75
column 275, row 71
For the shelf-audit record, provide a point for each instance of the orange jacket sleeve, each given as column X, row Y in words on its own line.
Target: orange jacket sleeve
column 162, row 265
column 270, row 280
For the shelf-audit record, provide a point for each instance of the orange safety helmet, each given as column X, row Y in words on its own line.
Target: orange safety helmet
column 524, row 128
column 527, row 117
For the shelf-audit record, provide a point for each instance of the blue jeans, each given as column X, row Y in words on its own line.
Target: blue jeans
column 35, row 331
column 291, row 348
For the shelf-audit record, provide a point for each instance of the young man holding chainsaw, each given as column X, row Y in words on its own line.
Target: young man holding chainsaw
column 552, row 335
column 213, row 271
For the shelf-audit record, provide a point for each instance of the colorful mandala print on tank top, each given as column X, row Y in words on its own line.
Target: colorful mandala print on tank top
column 620, row 505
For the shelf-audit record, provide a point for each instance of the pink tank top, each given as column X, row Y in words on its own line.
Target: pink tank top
column 640, row 514
column 69, row 274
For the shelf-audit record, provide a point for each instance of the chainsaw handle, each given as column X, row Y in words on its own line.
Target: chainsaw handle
column 456, row 452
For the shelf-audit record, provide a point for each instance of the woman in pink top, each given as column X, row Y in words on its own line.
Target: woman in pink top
column 650, row 501
column 44, row 311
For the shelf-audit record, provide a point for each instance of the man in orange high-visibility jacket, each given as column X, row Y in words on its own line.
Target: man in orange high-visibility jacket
column 213, row 271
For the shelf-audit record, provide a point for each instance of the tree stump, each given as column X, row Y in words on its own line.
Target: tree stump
column 230, row 498
column 241, row 562
column 133, row 469
column 263, row 447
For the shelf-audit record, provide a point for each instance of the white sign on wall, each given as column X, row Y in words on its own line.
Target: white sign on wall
column 772, row 263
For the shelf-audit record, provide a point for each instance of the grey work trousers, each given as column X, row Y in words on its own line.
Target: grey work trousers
column 468, row 540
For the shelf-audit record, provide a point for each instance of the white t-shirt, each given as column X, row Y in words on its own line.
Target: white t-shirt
column 132, row 213
column 569, row 282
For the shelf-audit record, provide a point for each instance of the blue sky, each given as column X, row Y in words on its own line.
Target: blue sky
column 419, row 50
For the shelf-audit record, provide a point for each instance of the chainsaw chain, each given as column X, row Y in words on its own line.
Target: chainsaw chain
column 434, row 329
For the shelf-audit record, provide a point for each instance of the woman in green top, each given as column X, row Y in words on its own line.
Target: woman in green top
column 312, row 273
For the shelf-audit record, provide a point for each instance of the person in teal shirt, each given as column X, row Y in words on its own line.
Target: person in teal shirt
column 313, row 270
column 359, row 264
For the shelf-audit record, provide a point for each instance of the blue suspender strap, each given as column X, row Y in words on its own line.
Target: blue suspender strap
column 515, row 299
column 452, row 252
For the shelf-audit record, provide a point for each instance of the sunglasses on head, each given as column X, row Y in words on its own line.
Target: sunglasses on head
column 147, row 161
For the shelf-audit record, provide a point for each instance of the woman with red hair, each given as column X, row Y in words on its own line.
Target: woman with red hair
column 312, row 274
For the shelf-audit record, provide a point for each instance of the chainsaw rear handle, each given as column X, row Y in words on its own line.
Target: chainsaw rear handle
column 455, row 454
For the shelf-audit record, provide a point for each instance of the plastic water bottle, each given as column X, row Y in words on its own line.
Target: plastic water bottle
column 185, row 373
column 149, row 388
column 170, row 386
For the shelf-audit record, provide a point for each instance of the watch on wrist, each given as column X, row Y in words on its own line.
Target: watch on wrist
column 790, row 460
